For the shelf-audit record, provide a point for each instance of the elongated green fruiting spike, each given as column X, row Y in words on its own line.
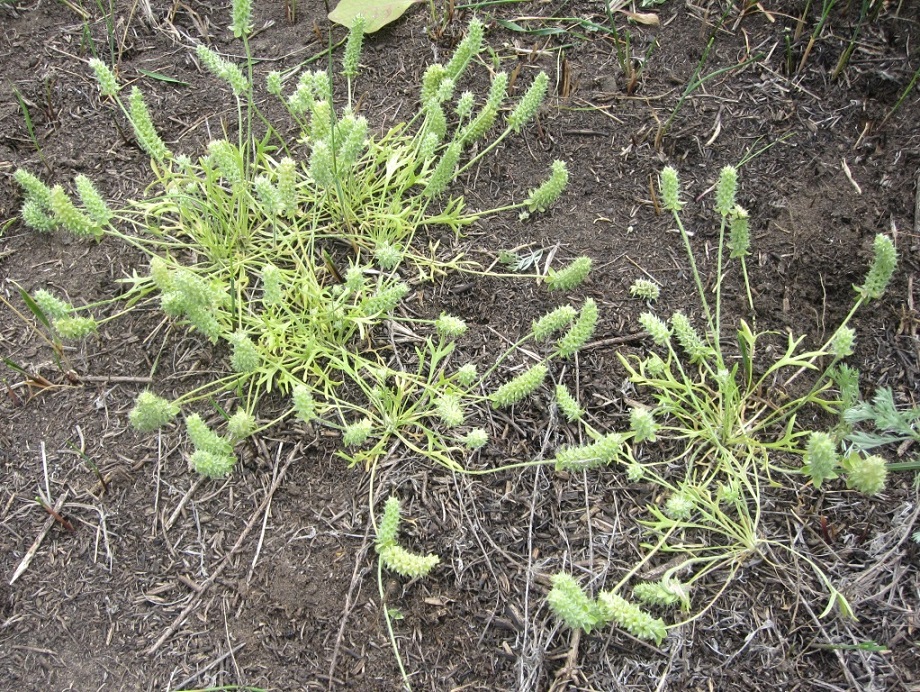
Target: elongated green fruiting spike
column 656, row 328
column 356, row 434
column 553, row 321
column 726, row 189
column 842, row 342
column 272, row 292
column 450, row 327
column 449, row 410
column 399, row 560
column 689, row 339
column 92, row 201
column 223, row 69
column 444, row 172
column 567, row 404
column 353, row 145
column 161, row 274
column 820, row 459
column 464, row 106
column 242, row 18
column 151, row 412
column 75, row 328
column 143, row 126
column 273, row 83
column 352, row 54
column 520, row 387
column 571, row 604
column 630, row 617
column 544, row 196
column 385, row 300
column 866, row 474
column 740, row 233
column 528, row 106
column 498, row 89
column 304, row 403
column 580, row 332
column 241, row 425
column 590, row 456
column 435, row 120
column 246, row 357
column 486, row 117
column 322, row 85
column 53, row 307
column 666, row 592
column 643, row 288
column 476, row 438
column 206, row 439
column 34, row 188
column 268, row 196
column 68, row 216
column 287, row 184
column 108, row 85
column 569, row 277
column 466, row 50
column 301, row 100
column 884, row 262
column 669, row 187
column 643, row 425
column 320, row 121
column 428, row 146
column 322, row 168
column 388, row 527
column 431, row 81
column 212, row 464
column 35, row 216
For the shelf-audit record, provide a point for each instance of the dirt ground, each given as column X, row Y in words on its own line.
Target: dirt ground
column 268, row 579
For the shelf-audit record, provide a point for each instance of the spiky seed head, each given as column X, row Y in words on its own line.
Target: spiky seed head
column 669, row 186
column 866, row 474
column 151, row 412
column 520, row 387
column 212, row 464
column 820, row 458
column 529, row 104
column 569, row 602
column 241, row 425
column 643, row 288
column 656, row 327
column 884, row 262
column 356, row 434
column 569, row 276
column 108, row 85
column 476, row 438
column 740, row 233
column 726, row 189
column 449, row 327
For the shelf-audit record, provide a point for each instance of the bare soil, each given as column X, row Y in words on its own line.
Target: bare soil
column 268, row 579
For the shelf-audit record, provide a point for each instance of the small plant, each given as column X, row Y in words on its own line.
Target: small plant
column 732, row 422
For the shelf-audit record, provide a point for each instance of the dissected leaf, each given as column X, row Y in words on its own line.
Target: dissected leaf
column 376, row 13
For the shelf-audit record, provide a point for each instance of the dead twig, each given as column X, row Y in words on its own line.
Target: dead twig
column 30, row 553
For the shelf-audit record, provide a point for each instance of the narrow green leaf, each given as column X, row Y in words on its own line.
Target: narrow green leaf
column 33, row 306
column 376, row 13
column 160, row 77
column 18, row 368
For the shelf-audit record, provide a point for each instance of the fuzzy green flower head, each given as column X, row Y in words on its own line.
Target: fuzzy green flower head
column 656, row 328
column 567, row 404
column 287, row 183
column 388, row 256
column 690, row 340
column 645, row 289
column 353, row 47
column 476, row 438
column 568, row 602
column 635, row 472
column 464, row 107
column 212, row 464
column 161, row 274
column 728, row 493
column 529, row 104
column 143, row 126
column 34, row 188
column 842, row 342
column 654, row 366
column 272, row 292
column 866, row 474
column 273, row 83
column 385, row 300
column 428, row 147
column 449, row 327
column 268, row 196
column 820, row 459
column 630, row 617
column 553, row 321
column 34, row 215
column 665, row 592
column 388, row 527
column 643, row 425
column 354, row 279
column 466, row 50
column 151, row 412
column 431, row 80
column 304, row 403
column 246, row 357
column 519, row 388
column 68, row 216
column 740, row 233
column 444, row 171
column 204, row 438
column 95, row 205
column 436, row 123
column 543, row 197
column 53, row 307
column 726, row 189
column 356, row 434
column 241, row 425
column 669, row 186
column 467, row 374
column 242, row 18
column 599, row 453
column 445, row 90
column 354, row 144
column 108, row 85
column 570, row 276
column 679, row 507
column 449, row 410
column 75, row 328
column 884, row 262
column 322, row 169
column 397, row 559
column 579, row 333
